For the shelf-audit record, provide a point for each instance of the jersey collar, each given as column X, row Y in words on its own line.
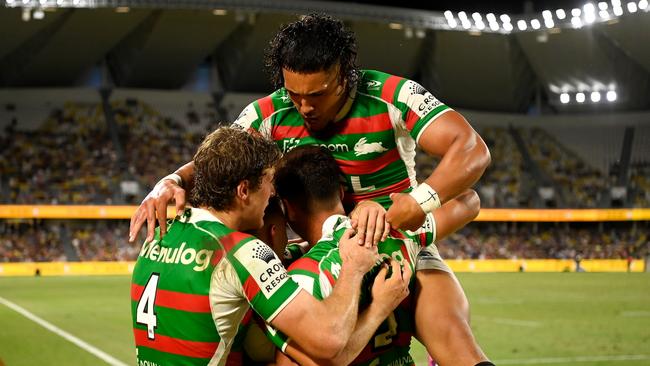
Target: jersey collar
column 347, row 106
column 198, row 214
column 334, row 223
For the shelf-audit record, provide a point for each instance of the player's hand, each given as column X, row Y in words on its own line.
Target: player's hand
column 369, row 219
column 357, row 257
column 405, row 213
column 387, row 293
column 154, row 206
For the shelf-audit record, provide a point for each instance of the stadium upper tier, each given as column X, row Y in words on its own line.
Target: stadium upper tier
column 72, row 146
column 588, row 59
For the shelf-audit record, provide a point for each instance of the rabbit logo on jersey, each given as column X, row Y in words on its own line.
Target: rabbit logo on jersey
column 263, row 265
column 417, row 98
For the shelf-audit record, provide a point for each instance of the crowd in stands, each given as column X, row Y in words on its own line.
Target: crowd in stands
column 550, row 241
column 106, row 241
column 67, row 160
column 640, row 184
column 581, row 186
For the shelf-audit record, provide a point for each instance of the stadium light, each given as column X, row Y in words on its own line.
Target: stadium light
column 595, row 97
column 547, row 14
column 590, row 18
column 575, row 12
column 576, row 22
column 449, row 14
column 548, row 23
column 604, row 14
column 480, row 25
column 494, row 26
column 466, row 24
column 477, row 17
column 521, row 24
column 535, row 24
column 219, row 11
column 560, row 14
column 38, row 14
column 395, row 26
column 580, row 97
column 589, row 8
column 643, row 4
column 10, row 2
column 508, row 27
column 631, row 7
column 491, row 18
column 26, row 15
column 505, row 18
column 564, row 98
column 462, row 16
column 616, row 3
column 602, row 5
column 618, row 11
column 452, row 23
column 611, row 96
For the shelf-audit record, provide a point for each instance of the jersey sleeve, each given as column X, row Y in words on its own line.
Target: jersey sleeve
column 418, row 107
column 250, row 118
column 264, row 280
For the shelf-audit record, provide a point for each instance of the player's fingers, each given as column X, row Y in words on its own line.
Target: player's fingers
column 407, row 273
column 161, row 215
column 383, row 272
column 136, row 223
column 370, row 228
column 151, row 222
column 362, row 223
column 348, row 233
column 380, row 229
column 179, row 199
column 396, row 273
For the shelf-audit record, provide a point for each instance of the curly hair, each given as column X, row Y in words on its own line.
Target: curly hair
column 225, row 158
column 309, row 177
column 312, row 44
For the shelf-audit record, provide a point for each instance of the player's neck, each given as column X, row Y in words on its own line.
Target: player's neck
column 316, row 221
column 232, row 219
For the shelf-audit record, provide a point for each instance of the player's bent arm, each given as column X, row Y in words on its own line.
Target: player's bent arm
column 456, row 213
column 323, row 328
column 464, row 154
column 367, row 324
column 186, row 172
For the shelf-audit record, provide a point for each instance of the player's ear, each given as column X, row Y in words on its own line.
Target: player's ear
column 341, row 192
column 243, row 190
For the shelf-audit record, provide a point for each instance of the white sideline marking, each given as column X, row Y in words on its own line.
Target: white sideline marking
column 519, row 323
column 577, row 359
column 58, row 331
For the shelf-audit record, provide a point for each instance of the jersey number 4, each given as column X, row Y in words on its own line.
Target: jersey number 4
column 145, row 314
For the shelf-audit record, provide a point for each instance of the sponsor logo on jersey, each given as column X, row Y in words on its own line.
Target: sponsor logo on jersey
column 289, row 144
column 417, row 98
column 363, row 147
column 285, row 97
column 373, row 84
column 147, row 363
column 246, row 117
column 263, row 265
column 185, row 256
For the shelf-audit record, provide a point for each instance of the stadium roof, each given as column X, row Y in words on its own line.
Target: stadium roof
column 173, row 44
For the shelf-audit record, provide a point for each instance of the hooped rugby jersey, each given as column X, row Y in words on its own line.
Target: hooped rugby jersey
column 192, row 291
column 374, row 143
column 317, row 271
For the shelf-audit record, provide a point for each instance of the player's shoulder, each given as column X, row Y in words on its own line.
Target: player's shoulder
column 377, row 84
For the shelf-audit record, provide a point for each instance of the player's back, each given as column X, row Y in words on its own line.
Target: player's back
column 170, row 294
column 319, row 269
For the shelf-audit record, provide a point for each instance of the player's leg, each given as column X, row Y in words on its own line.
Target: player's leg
column 442, row 319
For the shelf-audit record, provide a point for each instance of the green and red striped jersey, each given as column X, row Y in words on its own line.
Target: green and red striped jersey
column 192, row 292
column 375, row 142
column 318, row 270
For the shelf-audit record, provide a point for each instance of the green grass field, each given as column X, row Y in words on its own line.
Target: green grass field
column 518, row 318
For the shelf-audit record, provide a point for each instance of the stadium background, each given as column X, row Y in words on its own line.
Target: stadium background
column 99, row 99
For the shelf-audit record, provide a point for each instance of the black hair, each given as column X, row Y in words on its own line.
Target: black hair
column 309, row 177
column 316, row 42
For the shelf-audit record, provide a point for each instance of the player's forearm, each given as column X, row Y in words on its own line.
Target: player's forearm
column 186, row 172
column 341, row 307
column 367, row 324
column 461, row 167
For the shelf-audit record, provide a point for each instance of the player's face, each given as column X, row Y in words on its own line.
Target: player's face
column 259, row 200
column 317, row 96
